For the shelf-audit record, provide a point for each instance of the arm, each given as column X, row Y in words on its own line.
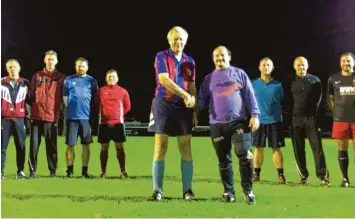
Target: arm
column 249, row 97
column 97, row 101
column 126, row 102
column 330, row 94
column 318, row 92
column 65, row 92
column 32, row 89
column 163, row 76
column 203, row 98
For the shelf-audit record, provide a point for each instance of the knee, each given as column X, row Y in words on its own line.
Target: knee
column 276, row 150
column 245, row 158
column 160, row 151
column 104, row 147
column 259, row 149
column 225, row 164
column 119, row 145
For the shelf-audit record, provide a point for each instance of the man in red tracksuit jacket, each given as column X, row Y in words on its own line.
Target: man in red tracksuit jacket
column 14, row 95
column 46, row 95
column 112, row 102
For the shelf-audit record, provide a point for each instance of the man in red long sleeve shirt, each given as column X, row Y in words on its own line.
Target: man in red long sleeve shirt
column 112, row 102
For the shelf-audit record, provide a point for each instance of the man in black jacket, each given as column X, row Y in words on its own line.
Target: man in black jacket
column 307, row 94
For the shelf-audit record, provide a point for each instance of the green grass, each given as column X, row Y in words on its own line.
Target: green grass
column 114, row 197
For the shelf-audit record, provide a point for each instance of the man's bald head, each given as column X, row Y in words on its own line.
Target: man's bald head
column 221, row 57
column 300, row 65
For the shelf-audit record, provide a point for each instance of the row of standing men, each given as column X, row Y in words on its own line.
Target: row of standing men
column 242, row 113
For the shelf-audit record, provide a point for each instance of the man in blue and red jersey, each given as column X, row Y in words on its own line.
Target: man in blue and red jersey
column 269, row 95
column 78, row 93
column 14, row 94
column 112, row 102
column 46, row 98
column 341, row 91
column 172, row 110
column 229, row 96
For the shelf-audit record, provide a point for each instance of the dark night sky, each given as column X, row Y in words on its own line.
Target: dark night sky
column 127, row 37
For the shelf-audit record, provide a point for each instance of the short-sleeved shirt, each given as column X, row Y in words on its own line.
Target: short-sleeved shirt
column 80, row 91
column 343, row 89
column 181, row 72
column 269, row 97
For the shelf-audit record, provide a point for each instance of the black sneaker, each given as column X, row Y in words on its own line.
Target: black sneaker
column 32, row 174
column 325, row 182
column 69, row 174
column 282, row 179
column 52, row 174
column 86, row 176
column 103, row 175
column 345, row 183
column 188, row 195
column 228, row 197
column 20, row 175
column 156, row 196
column 249, row 198
column 304, row 181
column 124, row 175
column 256, row 178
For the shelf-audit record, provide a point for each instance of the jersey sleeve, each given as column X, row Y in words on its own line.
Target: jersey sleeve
column 160, row 63
column 330, row 86
column 66, row 87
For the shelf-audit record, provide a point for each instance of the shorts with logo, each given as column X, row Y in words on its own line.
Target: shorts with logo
column 77, row 128
column 170, row 118
column 274, row 134
column 343, row 130
column 108, row 132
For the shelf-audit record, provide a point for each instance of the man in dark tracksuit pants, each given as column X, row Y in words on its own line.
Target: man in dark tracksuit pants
column 307, row 95
column 46, row 95
column 14, row 94
column 228, row 94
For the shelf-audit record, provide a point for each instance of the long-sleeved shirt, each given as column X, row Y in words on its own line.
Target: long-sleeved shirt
column 229, row 96
column 307, row 95
column 112, row 102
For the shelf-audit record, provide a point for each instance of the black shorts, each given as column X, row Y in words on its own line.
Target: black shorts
column 108, row 132
column 170, row 118
column 274, row 134
column 77, row 128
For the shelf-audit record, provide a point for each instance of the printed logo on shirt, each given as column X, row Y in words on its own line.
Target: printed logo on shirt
column 188, row 71
column 230, row 89
column 74, row 83
column 337, row 82
column 347, row 90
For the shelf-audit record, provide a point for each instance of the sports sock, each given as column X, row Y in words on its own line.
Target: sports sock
column 186, row 171
column 103, row 160
column 158, row 174
column 343, row 163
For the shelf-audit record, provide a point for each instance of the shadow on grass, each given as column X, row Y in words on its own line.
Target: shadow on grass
column 178, row 179
column 131, row 199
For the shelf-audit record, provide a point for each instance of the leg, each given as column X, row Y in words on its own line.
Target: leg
column 242, row 144
column 20, row 141
column 6, row 129
column 315, row 140
column 121, row 157
column 35, row 142
column 104, row 158
column 341, row 132
column 104, row 138
column 86, row 139
column 119, row 138
column 71, row 138
column 160, row 149
column 222, row 145
column 51, row 135
column 184, row 143
column 241, row 139
column 276, row 141
column 259, row 141
column 298, row 142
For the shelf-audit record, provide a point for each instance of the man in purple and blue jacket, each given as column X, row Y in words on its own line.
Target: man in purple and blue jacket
column 229, row 96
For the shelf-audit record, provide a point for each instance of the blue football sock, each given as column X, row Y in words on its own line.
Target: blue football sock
column 158, row 174
column 186, row 171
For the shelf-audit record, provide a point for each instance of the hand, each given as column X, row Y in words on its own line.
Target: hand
column 254, row 123
column 194, row 120
column 189, row 101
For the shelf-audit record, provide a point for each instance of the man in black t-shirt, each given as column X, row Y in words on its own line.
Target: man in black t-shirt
column 341, row 92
